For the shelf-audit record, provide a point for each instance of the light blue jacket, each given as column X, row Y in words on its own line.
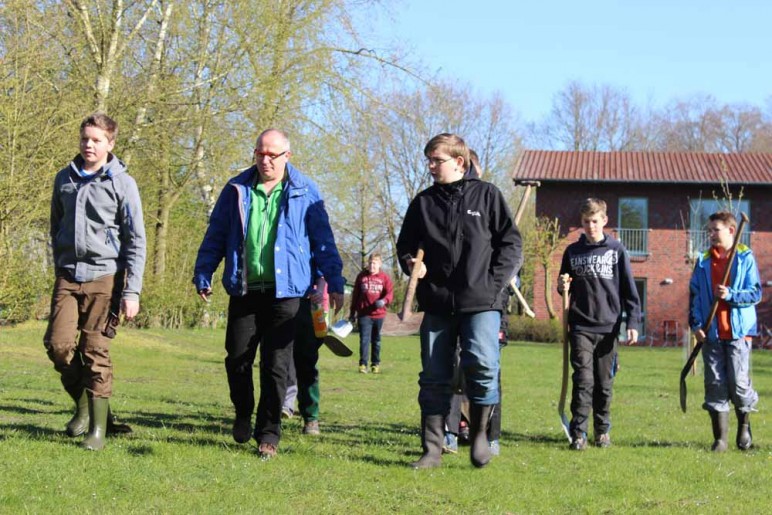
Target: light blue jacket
column 304, row 239
column 744, row 294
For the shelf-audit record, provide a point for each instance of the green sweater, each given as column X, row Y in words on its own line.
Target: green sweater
column 261, row 234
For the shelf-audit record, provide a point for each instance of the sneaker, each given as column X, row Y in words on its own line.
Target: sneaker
column 375, row 369
column 579, row 443
column 267, row 451
column 286, row 413
column 450, row 444
column 493, row 445
column 603, row 441
column 362, row 369
column 242, row 430
column 311, row 428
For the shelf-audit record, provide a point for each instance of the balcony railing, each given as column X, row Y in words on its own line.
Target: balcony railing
column 636, row 241
column 699, row 241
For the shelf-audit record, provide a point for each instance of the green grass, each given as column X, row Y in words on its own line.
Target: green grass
column 170, row 386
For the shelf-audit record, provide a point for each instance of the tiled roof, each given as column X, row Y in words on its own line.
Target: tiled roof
column 673, row 167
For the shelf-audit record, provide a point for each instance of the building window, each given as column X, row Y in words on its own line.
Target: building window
column 700, row 210
column 633, row 228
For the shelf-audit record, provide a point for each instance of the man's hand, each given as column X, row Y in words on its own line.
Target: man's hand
column 317, row 297
column 632, row 336
column 564, row 283
column 336, row 302
column 129, row 308
column 205, row 294
column 722, row 291
column 700, row 335
column 380, row 303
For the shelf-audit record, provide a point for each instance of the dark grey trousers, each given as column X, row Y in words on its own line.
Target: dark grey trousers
column 593, row 358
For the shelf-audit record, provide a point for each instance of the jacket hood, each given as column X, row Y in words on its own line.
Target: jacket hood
column 111, row 168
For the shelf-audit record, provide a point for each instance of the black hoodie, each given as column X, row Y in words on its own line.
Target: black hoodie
column 472, row 247
column 602, row 286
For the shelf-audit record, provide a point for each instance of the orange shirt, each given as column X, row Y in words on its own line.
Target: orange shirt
column 717, row 268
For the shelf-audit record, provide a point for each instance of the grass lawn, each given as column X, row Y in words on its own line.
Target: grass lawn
column 170, row 386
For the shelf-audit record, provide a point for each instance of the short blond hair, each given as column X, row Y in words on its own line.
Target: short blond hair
column 451, row 144
column 592, row 206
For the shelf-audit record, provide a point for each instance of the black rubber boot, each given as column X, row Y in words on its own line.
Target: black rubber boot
column 744, row 438
column 480, row 453
column 720, row 422
column 97, row 410
column 78, row 424
column 432, row 436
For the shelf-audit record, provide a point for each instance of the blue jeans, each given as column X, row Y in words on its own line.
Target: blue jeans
column 727, row 376
column 478, row 336
column 370, row 334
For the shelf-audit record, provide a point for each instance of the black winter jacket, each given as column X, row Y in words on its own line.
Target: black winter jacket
column 472, row 247
column 602, row 286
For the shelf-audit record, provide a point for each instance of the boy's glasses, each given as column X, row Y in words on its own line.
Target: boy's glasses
column 270, row 155
column 435, row 161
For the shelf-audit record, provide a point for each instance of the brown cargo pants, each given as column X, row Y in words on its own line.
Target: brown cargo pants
column 81, row 307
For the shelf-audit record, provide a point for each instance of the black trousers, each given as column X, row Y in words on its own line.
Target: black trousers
column 260, row 319
column 593, row 358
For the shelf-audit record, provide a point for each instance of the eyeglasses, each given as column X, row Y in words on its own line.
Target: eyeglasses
column 270, row 155
column 434, row 161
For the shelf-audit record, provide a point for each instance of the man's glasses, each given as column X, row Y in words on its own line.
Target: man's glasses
column 434, row 161
column 270, row 155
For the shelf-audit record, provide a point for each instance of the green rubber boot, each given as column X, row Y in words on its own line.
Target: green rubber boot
column 744, row 439
column 720, row 423
column 480, row 452
column 97, row 409
column 432, row 436
column 78, row 424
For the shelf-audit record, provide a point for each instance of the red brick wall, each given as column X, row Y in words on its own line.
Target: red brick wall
column 667, row 243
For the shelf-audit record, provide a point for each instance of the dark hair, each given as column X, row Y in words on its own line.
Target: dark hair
column 101, row 121
column 474, row 164
column 724, row 216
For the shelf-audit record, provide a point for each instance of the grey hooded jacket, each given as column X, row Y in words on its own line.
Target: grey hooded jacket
column 96, row 225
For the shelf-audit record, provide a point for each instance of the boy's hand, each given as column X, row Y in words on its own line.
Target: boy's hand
column 632, row 336
column 129, row 308
column 564, row 283
column 422, row 270
column 722, row 291
column 700, row 335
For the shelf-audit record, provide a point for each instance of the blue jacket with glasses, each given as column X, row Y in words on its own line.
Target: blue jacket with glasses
column 304, row 239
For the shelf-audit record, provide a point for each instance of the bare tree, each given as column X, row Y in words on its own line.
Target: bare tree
column 600, row 118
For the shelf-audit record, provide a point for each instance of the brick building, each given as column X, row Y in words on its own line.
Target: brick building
column 658, row 204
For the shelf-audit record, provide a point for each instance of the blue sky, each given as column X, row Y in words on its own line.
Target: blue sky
column 657, row 49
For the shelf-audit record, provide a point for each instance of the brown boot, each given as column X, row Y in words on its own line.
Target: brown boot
column 720, row 422
column 432, row 437
column 480, row 453
column 744, row 438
